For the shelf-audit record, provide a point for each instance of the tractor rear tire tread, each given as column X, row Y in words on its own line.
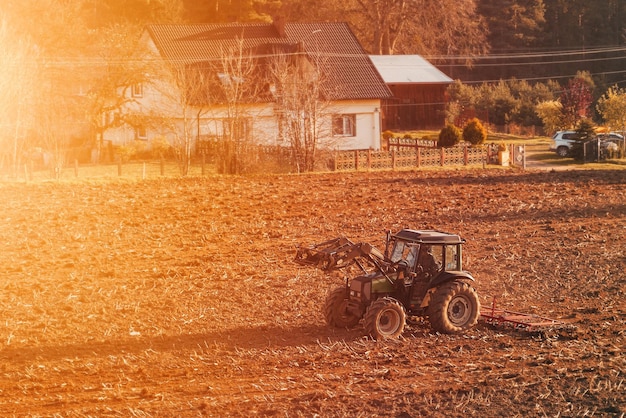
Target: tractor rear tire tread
column 448, row 300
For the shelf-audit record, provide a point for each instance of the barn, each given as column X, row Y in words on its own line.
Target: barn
column 418, row 89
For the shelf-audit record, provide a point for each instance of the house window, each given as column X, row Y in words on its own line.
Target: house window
column 137, row 90
column 141, row 132
column 344, row 125
column 241, row 128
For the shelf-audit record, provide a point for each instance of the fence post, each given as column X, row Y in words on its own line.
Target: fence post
column 356, row 160
column 393, row 160
column 418, row 156
column 465, row 156
column 443, row 156
column 369, row 159
column 335, row 165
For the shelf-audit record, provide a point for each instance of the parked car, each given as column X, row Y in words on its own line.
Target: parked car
column 563, row 141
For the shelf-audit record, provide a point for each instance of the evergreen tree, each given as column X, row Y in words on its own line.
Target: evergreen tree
column 514, row 25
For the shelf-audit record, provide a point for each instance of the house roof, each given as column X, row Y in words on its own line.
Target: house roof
column 348, row 70
column 410, row 69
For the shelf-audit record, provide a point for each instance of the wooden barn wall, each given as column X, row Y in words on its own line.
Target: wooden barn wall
column 414, row 106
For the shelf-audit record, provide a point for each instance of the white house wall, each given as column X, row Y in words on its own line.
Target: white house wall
column 367, row 125
column 264, row 124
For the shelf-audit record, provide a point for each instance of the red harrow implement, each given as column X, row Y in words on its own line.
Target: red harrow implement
column 527, row 322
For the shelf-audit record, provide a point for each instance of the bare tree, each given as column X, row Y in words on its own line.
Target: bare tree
column 239, row 86
column 443, row 27
column 303, row 117
column 117, row 67
column 184, row 89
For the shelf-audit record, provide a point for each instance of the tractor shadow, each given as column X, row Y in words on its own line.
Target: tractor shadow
column 232, row 340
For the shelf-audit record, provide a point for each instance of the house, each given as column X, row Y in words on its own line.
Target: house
column 418, row 89
column 349, row 85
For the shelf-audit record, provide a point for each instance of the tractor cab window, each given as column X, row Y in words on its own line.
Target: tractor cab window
column 452, row 257
column 403, row 250
column 430, row 259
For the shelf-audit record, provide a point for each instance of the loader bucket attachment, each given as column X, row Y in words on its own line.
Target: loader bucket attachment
column 325, row 255
column 340, row 253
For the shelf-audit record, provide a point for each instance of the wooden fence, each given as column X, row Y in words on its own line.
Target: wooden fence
column 409, row 157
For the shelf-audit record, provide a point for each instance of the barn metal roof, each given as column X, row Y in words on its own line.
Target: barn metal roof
column 348, row 70
column 410, row 69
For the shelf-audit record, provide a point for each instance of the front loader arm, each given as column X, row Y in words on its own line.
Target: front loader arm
column 339, row 253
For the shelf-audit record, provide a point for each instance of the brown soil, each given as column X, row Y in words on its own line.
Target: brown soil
column 180, row 298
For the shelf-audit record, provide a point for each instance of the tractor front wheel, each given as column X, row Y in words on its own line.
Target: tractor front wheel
column 385, row 318
column 336, row 310
column 454, row 308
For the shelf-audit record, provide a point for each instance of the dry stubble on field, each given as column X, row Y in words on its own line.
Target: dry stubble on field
column 179, row 297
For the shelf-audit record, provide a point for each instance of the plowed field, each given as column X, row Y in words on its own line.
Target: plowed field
column 178, row 297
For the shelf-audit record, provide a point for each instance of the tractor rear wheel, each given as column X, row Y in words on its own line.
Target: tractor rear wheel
column 336, row 312
column 385, row 318
column 454, row 308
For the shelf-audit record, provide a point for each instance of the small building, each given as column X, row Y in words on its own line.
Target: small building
column 418, row 89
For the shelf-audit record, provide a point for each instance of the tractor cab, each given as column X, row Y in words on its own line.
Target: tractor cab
column 424, row 254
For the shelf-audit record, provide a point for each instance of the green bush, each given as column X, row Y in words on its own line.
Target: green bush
column 474, row 132
column 449, row 136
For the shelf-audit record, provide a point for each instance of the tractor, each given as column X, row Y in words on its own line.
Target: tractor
column 419, row 274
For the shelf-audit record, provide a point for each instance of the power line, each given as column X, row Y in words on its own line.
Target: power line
column 590, row 56
column 527, row 55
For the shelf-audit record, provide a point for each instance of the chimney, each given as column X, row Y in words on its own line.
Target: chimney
column 279, row 24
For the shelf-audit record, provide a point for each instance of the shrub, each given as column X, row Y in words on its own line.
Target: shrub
column 160, row 147
column 130, row 150
column 449, row 136
column 474, row 132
